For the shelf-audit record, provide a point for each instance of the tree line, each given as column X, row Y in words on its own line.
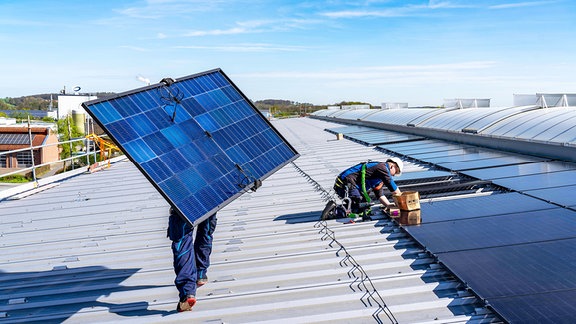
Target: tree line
column 43, row 102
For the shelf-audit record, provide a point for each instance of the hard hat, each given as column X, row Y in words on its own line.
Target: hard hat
column 399, row 163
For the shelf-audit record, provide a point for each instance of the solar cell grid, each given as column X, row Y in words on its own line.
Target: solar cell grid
column 484, row 163
column 416, row 146
column 197, row 139
column 349, row 129
column 538, row 181
column 521, row 170
column 494, row 231
column 463, row 155
column 15, row 139
column 481, row 206
column 439, row 152
column 563, row 196
column 552, row 307
column 381, row 137
column 516, row 270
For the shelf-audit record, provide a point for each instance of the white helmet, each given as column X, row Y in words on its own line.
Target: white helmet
column 398, row 162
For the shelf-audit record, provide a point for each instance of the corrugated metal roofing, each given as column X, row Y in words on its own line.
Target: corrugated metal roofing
column 92, row 248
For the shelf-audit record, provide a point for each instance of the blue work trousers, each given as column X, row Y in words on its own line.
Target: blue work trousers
column 191, row 254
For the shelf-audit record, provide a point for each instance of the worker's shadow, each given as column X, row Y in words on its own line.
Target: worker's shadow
column 297, row 218
column 57, row 295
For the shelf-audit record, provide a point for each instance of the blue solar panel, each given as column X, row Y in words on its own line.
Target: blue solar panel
column 469, row 162
column 501, row 275
column 481, row 206
column 493, row 231
column 198, row 140
column 550, row 307
column 563, row 196
column 520, row 170
column 538, row 181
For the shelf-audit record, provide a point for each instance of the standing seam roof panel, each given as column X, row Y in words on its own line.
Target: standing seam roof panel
column 543, row 124
column 495, row 118
column 456, row 120
column 400, row 116
column 356, row 113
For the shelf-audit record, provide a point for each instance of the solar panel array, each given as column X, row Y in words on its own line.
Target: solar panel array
column 197, row 139
column 371, row 136
column 516, row 248
column 14, row 139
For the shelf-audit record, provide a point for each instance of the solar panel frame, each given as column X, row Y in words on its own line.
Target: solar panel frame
column 198, row 140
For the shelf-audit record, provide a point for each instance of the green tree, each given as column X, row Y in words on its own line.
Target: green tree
column 67, row 130
column 34, row 103
column 5, row 104
column 21, row 115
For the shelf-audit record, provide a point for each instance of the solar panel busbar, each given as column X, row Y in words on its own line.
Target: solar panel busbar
column 197, row 139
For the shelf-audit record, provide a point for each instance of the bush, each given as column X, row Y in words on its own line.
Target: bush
column 16, row 178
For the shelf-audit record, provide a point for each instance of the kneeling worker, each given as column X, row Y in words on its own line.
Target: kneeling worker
column 357, row 181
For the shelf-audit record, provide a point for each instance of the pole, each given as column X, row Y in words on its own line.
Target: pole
column 32, row 153
column 69, row 118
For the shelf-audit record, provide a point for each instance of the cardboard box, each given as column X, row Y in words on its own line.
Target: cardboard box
column 408, row 200
column 394, row 212
column 409, row 217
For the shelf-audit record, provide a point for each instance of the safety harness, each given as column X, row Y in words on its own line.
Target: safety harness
column 363, row 185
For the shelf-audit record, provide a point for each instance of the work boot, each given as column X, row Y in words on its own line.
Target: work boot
column 202, row 281
column 328, row 212
column 186, row 303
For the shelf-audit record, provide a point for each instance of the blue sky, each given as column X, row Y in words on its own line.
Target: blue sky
column 319, row 52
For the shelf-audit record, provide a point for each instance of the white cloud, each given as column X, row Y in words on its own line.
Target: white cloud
column 521, row 4
column 383, row 72
column 249, row 47
column 217, row 32
column 134, row 48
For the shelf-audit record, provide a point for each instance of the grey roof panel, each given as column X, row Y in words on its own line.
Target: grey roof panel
column 94, row 249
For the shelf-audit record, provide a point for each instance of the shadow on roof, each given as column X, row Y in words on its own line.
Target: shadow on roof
column 57, row 295
column 297, row 218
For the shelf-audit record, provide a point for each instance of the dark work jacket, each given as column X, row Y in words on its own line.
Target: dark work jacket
column 374, row 175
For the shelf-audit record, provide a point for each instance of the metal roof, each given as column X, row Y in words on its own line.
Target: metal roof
column 92, row 247
column 539, row 130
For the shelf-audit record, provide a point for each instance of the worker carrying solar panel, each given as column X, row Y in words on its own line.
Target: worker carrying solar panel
column 355, row 184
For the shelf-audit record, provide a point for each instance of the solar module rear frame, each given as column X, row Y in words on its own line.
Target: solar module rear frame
column 198, row 139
